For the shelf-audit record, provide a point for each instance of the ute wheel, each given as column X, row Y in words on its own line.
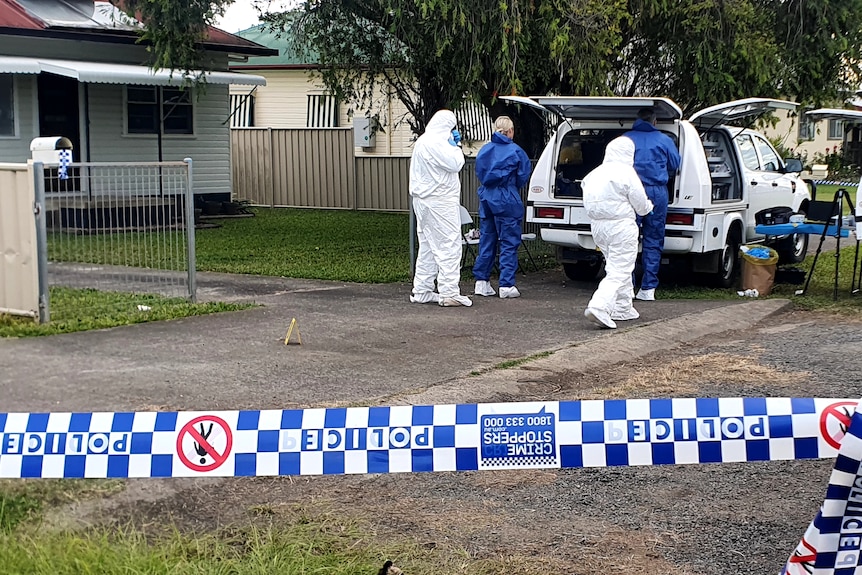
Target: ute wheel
column 583, row 271
column 729, row 263
column 792, row 249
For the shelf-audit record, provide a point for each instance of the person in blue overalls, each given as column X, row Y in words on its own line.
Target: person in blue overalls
column 502, row 168
column 656, row 157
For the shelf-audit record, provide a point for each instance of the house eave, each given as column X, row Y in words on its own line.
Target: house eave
column 125, row 37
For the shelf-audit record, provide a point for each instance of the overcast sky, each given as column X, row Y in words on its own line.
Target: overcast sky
column 243, row 14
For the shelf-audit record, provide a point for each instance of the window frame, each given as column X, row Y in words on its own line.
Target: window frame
column 738, row 143
column 761, row 144
column 16, row 128
column 839, row 128
column 807, row 130
column 160, row 105
column 323, row 105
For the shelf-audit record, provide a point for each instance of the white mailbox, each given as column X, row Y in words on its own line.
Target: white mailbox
column 364, row 132
column 50, row 149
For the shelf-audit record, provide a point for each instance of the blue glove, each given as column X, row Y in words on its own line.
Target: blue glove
column 455, row 139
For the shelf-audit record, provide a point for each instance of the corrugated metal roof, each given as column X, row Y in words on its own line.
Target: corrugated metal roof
column 80, row 14
column 14, row 16
column 286, row 58
column 18, row 65
column 109, row 73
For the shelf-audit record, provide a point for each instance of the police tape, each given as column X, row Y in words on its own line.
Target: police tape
column 465, row 437
column 832, row 544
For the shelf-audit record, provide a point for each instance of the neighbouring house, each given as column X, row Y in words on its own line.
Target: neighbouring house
column 74, row 68
column 295, row 97
column 812, row 138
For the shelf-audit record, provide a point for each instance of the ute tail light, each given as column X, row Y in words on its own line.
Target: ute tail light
column 680, row 219
column 550, row 213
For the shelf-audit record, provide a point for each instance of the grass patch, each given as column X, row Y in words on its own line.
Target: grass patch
column 369, row 247
column 15, row 509
column 24, row 499
column 85, row 309
column 354, row 246
column 510, row 363
column 683, row 377
column 818, row 296
column 296, row 549
column 826, row 193
column 520, row 361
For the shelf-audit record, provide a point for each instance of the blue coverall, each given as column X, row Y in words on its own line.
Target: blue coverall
column 502, row 168
column 656, row 157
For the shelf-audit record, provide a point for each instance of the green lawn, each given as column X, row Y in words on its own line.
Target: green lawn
column 827, row 193
column 85, row 309
column 371, row 247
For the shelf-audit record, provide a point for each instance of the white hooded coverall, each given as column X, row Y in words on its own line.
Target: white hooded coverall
column 613, row 194
column 435, row 189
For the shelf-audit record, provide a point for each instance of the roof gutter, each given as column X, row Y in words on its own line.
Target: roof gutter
column 117, row 37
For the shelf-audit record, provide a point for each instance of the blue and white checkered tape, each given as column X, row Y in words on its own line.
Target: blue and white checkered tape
column 832, row 544
column 356, row 440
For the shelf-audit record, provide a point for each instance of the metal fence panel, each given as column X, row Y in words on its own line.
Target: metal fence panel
column 251, row 165
column 318, row 168
column 19, row 279
column 123, row 229
column 382, row 183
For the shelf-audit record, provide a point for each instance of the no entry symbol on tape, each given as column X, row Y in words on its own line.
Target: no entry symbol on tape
column 204, row 443
column 835, row 420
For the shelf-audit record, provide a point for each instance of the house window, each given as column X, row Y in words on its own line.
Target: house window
column 241, row 111
column 806, row 129
column 836, row 130
column 322, row 111
column 474, row 122
column 149, row 106
column 7, row 105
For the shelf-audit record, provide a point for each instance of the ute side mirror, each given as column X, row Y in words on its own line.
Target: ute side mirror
column 792, row 165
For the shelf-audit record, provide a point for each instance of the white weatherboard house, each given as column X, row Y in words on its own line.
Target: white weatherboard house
column 73, row 68
column 295, row 97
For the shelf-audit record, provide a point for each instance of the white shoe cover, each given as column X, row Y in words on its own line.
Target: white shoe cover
column 646, row 295
column 625, row 316
column 455, row 301
column 509, row 292
column 425, row 297
column 599, row 318
column 483, row 287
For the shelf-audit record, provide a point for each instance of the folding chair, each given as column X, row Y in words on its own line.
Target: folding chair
column 467, row 243
column 820, row 212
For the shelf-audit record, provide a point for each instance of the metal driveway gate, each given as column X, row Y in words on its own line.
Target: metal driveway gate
column 124, row 230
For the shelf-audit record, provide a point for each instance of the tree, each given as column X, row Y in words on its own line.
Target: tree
column 174, row 30
column 433, row 54
column 704, row 52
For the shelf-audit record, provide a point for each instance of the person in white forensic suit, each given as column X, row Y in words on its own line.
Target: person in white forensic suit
column 435, row 191
column 613, row 197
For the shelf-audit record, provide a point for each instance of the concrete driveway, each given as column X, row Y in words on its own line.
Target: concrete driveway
column 360, row 344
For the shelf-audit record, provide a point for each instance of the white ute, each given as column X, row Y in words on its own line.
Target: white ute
column 726, row 176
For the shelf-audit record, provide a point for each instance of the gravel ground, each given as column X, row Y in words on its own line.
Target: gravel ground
column 674, row 520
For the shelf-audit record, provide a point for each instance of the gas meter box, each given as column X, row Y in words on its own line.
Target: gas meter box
column 51, row 149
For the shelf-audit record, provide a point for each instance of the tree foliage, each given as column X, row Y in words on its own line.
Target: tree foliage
column 433, row 54
column 174, row 30
column 702, row 52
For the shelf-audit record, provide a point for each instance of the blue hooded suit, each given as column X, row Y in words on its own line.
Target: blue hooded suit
column 502, row 168
column 656, row 157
